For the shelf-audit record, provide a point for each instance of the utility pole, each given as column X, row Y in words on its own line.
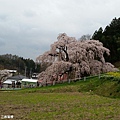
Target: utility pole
column 30, row 72
column 25, row 70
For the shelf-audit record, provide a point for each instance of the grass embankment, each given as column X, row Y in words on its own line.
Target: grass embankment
column 108, row 86
column 74, row 101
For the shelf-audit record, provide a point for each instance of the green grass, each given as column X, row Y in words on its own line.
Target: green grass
column 93, row 99
column 59, row 106
column 105, row 86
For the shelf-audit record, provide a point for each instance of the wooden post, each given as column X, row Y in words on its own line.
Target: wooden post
column 68, row 80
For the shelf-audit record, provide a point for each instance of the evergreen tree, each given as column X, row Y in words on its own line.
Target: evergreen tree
column 110, row 37
column 9, row 61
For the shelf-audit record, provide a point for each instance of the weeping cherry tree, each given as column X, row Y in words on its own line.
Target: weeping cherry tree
column 68, row 55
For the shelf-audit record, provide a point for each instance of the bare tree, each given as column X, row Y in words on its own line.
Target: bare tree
column 85, row 37
column 82, row 57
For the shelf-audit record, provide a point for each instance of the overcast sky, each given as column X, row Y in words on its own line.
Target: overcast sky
column 28, row 27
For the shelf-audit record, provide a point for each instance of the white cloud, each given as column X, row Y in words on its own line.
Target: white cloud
column 28, row 27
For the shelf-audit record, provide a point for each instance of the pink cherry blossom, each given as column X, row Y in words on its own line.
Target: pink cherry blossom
column 69, row 55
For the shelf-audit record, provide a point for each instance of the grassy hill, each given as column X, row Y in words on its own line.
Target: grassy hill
column 91, row 99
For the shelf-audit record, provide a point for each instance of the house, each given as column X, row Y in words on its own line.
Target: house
column 13, row 82
column 29, row 83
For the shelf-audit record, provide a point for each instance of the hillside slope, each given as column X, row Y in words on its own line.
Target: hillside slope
column 105, row 86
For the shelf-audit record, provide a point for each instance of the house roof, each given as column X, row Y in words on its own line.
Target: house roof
column 29, row 80
column 9, row 81
column 17, row 77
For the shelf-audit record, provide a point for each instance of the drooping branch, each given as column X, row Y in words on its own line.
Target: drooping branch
column 86, row 57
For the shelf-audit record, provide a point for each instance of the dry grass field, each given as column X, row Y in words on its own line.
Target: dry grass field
column 75, row 101
column 58, row 106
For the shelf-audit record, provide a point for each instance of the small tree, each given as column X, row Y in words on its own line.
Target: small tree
column 4, row 74
column 82, row 57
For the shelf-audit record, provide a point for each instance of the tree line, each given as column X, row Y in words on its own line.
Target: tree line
column 110, row 37
column 9, row 61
